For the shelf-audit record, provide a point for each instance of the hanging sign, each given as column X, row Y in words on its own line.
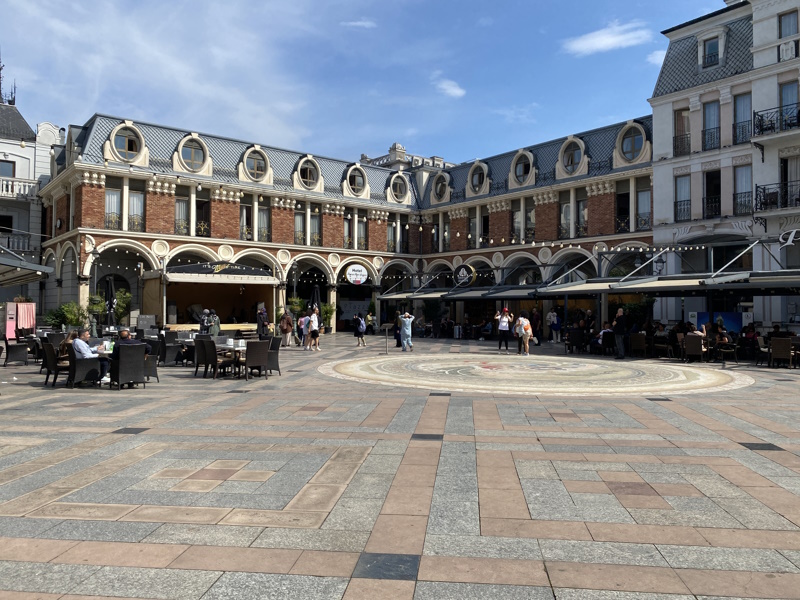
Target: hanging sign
column 356, row 274
column 464, row 275
column 218, row 268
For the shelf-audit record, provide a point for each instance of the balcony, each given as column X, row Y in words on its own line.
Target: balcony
column 777, row 196
column 136, row 223
column 563, row 231
column 16, row 241
column 683, row 210
column 12, row 188
column 644, row 221
column 391, row 245
column 710, row 60
column 316, row 239
column 113, row 221
column 181, row 227
column 264, row 234
column 742, row 132
column 202, row 229
column 245, row 233
column 622, row 225
column 711, row 139
column 775, row 120
column 711, row 207
column 348, row 243
column 743, row 203
column 582, row 229
column 682, row 145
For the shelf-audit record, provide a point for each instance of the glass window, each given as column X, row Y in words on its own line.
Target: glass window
column 6, row 168
column 126, row 143
column 440, row 187
column 193, row 155
column 683, row 189
column 308, row 174
column 399, row 187
column 316, row 227
column 787, row 24
column 300, row 223
column 478, row 177
column 182, row 216
column 113, row 209
column 564, row 214
column 632, row 143
column 711, row 52
column 711, row 115
column 356, row 181
column 742, row 108
column 516, row 220
column 256, row 165
column 682, row 121
column 361, row 217
column 390, row 236
column 522, row 168
column 530, row 220
column 135, row 211
column 789, row 94
column 742, row 179
column 349, row 239
column 264, row 231
column 473, row 227
column 572, row 157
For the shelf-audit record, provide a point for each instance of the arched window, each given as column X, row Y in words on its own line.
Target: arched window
column 572, row 157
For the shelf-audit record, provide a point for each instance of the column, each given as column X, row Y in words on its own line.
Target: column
column 254, row 217
column 441, row 232
column 397, row 233
column 125, row 207
column 632, row 205
column 71, row 208
column 192, row 210
column 308, row 223
column 332, row 300
column 573, row 217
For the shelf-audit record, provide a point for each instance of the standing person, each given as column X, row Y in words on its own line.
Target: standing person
column 307, row 330
column 285, row 326
column 213, row 323
column 551, row 317
column 360, row 327
column 301, row 330
column 204, row 321
column 405, row 331
column 313, row 329
column 504, row 320
column 397, row 325
column 536, row 327
column 620, row 329
column 262, row 323
column 370, row 324
column 555, row 327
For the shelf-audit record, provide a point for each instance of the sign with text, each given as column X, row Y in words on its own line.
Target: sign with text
column 787, row 237
column 357, row 274
column 464, row 275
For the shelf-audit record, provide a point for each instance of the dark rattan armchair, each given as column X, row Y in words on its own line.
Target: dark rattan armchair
column 129, row 367
column 50, row 362
column 15, row 352
column 81, row 369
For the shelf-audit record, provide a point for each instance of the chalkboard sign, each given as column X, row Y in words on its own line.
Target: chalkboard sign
column 146, row 321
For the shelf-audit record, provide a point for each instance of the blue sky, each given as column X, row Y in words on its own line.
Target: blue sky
column 458, row 79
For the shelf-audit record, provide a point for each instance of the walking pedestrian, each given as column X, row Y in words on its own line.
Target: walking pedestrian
column 523, row 331
column 620, row 329
column 285, row 326
column 405, row 331
column 313, row 330
column 360, row 327
column 307, row 330
column 504, row 320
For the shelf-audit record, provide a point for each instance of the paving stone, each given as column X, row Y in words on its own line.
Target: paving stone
column 369, row 485
column 387, row 566
column 573, row 594
column 427, row 590
column 611, row 553
column 101, row 531
column 727, row 559
column 43, row 577
column 482, row 547
column 166, row 584
column 204, row 535
column 453, row 518
column 247, row 586
column 333, row 540
column 26, row 527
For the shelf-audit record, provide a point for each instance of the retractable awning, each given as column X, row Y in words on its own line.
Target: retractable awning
column 15, row 270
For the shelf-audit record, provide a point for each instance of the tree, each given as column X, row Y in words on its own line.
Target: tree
column 327, row 311
column 123, row 307
column 69, row 314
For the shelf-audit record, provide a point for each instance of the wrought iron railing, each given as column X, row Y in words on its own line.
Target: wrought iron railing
column 113, row 221
column 245, row 233
column 264, row 234
column 711, row 207
column 563, row 231
column 774, row 120
column 582, row 229
column 530, row 234
column 682, row 145
column 316, row 239
column 711, row 138
column 644, row 221
column 446, row 245
column 623, row 225
column 777, row 196
column 362, row 243
column 711, row 59
column 391, row 246
column 202, row 229
column 347, row 242
column 300, row 238
column 743, row 203
column 683, row 210
column 471, row 243
column 404, row 246
column 181, row 227
column 136, row 223
column 16, row 241
column 742, row 132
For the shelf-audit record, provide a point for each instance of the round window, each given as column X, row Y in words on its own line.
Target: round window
column 440, row 187
column 572, row 157
column 126, row 143
column 522, row 168
column 399, row 187
column 478, row 177
column 632, row 143
column 193, row 155
column 356, row 180
column 308, row 174
column 256, row 165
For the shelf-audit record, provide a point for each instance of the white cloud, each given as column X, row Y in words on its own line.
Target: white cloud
column 448, row 87
column 656, row 58
column 363, row 23
column 518, row 114
column 612, row 37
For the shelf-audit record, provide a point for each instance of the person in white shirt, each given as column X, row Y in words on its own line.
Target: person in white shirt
column 504, row 320
column 83, row 351
column 313, row 329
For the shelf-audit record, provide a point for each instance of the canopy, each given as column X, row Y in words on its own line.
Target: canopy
column 217, row 272
column 15, row 270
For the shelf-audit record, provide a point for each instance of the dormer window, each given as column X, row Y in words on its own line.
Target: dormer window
column 193, row 155
column 478, row 177
column 308, row 174
column 522, row 168
column 356, row 181
column 399, row 188
column 440, row 187
column 572, row 157
column 711, row 52
column 127, row 144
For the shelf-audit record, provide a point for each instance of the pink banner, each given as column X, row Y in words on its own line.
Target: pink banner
column 26, row 315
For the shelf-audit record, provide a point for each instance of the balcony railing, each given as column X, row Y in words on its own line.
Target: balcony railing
column 775, row 120
column 710, row 60
column 743, row 203
column 362, row 244
column 682, row 145
column 711, row 138
column 404, row 246
column 113, row 221
column 563, row 232
column 16, row 241
column 245, row 233
column 622, row 225
column 644, row 221
column 347, row 243
column 181, row 227
column 530, row 235
column 136, row 223
column 446, row 245
column 742, row 132
column 683, row 210
column 202, row 229
column 777, row 196
column 391, row 246
column 582, row 229
column 264, row 234
column 300, row 238
column 316, row 239
column 711, row 207
column 11, row 187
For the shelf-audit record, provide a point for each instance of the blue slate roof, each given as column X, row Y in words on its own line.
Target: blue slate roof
column 680, row 70
column 13, row 126
column 226, row 155
column 599, row 147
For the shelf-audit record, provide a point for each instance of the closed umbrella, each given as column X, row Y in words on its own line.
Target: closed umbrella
column 316, row 301
column 111, row 301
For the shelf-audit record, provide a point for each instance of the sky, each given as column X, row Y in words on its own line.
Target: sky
column 459, row 79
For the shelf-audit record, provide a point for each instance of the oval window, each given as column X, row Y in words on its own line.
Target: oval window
column 572, row 157
column 356, row 181
column 478, row 177
column 308, row 174
column 632, row 143
column 256, row 165
column 126, row 143
column 522, row 168
column 399, row 187
column 193, row 155
column 440, row 187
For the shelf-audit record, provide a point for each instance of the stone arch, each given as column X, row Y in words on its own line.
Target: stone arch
column 510, row 268
column 137, row 247
column 277, row 270
column 68, row 273
column 436, row 264
column 48, row 255
column 395, row 263
column 623, row 256
column 318, row 262
column 61, row 252
column 373, row 273
column 577, row 255
column 196, row 248
column 475, row 261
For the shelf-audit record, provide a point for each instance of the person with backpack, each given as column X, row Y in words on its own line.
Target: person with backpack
column 522, row 329
column 360, row 327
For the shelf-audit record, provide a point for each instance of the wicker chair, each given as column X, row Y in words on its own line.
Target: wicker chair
column 81, row 369
column 781, row 351
column 200, row 356
column 724, row 349
column 170, row 350
column 50, row 362
column 274, row 350
column 661, row 345
column 129, row 367
column 214, row 361
column 56, row 338
column 15, row 352
column 695, row 346
column 257, row 356
column 151, row 361
column 638, row 343
column 574, row 341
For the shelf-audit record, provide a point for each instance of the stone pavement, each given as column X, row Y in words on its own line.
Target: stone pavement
column 356, row 475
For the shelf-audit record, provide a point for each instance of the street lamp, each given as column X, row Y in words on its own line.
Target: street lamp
column 294, row 277
column 659, row 264
column 95, row 254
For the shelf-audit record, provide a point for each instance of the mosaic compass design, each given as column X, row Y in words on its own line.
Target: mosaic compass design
column 537, row 375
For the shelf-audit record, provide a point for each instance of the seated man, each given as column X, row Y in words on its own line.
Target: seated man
column 126, row 339
column 596, row 343
column 82, row 350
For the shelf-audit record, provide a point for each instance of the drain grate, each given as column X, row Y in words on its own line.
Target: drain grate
column 237, row 391
column 439, row 394
column 659, row 399
column 131, row 430
column 427, row 436
column 761, row 446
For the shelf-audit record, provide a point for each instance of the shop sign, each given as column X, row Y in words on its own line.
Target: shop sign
column 218, row 268
column 356, row 274
column 464, row 275
column 787, row 237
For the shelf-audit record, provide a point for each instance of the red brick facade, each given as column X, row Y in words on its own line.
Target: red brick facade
column 458, row 234
column 602, row 213
column 283, row 226
column 90, row 207
column 427, row 238
column 547, row 221
column 159, row 213
column 333, row 231
column 376, row 235
column 500, row 227
column 62, row 212
column 225, row 220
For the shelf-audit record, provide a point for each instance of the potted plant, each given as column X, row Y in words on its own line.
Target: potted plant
column 326, row 311
column 69, row 314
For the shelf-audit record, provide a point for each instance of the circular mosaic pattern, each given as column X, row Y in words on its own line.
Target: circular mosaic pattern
column 537, row 375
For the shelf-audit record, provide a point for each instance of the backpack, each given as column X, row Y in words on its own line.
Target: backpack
column 362, row 327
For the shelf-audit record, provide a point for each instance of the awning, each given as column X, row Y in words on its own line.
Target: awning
column 238, row 279
column 15, row 270
column 215, row 272
column 518, row 292
column 395, row 296
column 466, row 294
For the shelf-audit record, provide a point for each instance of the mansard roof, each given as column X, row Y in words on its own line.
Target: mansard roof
column 226, row 154
column 680, row 68
column 13, row 126
column 599, row 144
